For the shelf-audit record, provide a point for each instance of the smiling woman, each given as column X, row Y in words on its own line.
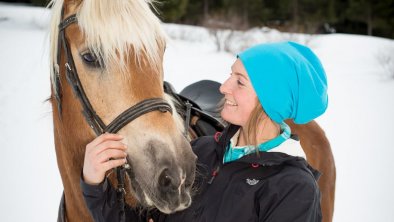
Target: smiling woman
column 240, row 98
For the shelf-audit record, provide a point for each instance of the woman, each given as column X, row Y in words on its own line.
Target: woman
column 242, row 177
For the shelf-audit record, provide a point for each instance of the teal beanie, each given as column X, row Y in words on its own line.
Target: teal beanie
column 289, row 80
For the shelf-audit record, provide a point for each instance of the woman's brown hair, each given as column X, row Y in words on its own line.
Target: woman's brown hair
column 251, row 130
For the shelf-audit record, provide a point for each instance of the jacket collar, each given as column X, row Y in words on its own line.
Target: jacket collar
column 233, row 153
column 265, row 159
column 225, row 138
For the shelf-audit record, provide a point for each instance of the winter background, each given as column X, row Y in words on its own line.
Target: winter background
column 358, row 122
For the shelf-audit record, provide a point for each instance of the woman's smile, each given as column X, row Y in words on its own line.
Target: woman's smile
column 230, row 103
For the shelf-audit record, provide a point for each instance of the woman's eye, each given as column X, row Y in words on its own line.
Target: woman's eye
column 240, row 83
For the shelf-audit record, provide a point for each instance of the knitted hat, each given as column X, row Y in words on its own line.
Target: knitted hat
column 289, row 80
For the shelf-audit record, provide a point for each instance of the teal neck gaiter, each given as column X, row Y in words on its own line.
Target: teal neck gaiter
column 235, row 153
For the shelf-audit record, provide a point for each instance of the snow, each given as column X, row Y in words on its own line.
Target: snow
column 358, row 121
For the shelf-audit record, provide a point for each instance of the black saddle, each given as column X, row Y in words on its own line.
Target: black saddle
column 203, row 99
column 206, row 94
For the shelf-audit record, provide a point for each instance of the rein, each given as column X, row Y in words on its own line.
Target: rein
column 94, row 121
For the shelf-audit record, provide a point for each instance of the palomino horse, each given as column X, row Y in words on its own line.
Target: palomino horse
column 107, row 63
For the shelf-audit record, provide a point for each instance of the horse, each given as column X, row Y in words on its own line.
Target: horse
column 107, row 76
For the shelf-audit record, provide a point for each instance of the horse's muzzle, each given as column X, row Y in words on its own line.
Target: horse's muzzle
column 165, row 176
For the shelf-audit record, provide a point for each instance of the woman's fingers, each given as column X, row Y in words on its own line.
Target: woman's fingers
column 113, row 163
column 110, row 154
column 102, row 154
column 108, row 145
column 102, row 138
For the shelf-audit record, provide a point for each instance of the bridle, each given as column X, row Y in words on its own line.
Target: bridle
column 94, row 121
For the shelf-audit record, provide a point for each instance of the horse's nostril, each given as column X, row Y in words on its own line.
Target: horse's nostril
column 168, row 182
column 165, row 180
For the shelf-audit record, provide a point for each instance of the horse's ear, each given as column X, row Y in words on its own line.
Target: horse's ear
column 71, row 6
column 74, row 2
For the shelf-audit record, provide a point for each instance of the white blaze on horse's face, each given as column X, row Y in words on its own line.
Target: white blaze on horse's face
column 118, row 48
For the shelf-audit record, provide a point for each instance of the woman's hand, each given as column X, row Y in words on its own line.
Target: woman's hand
column 102, row 154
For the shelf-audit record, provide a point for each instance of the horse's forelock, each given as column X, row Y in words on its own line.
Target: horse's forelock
column 54, row 35
column 114, row 29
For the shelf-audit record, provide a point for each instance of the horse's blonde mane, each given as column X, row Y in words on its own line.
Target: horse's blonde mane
column 113, row 30
column 179, row 122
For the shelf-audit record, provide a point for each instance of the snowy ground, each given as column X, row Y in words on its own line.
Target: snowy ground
column 358, row 121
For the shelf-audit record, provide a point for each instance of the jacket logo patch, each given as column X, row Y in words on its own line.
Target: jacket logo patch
column 252, row 182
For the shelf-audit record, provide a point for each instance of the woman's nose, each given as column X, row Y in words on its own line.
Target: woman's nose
column 224, row 88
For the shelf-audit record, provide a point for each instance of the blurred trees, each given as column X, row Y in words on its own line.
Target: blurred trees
column 172, row 10
column 377, row 16
column 309, row 16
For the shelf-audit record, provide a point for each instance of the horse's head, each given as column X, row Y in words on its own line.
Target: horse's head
column 116, row 48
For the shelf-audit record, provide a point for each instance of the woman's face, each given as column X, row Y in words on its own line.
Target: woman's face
column 240, row 97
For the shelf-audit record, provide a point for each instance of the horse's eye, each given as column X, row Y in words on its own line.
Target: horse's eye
column 90, row 59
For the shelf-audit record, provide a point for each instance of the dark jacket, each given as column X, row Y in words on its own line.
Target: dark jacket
column 271, row 186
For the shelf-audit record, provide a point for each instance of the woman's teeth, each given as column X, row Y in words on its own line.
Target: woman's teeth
column 230, row 103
